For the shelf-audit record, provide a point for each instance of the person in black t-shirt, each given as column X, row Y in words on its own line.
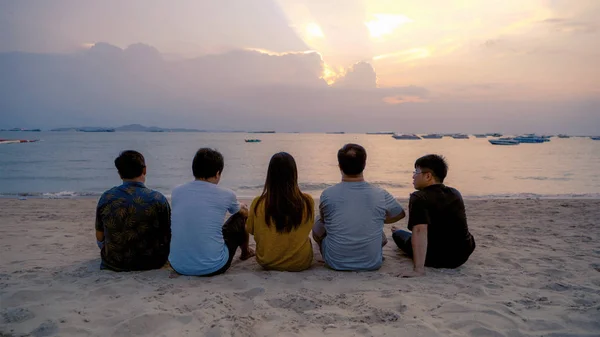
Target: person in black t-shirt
column 440, row 235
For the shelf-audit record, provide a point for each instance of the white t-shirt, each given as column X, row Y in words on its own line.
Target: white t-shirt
column 197, row 217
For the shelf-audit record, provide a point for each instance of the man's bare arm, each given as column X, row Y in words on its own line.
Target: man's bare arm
column 419, row 246
column 392, row 219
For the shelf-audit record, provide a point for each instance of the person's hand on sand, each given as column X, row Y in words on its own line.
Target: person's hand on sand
column 413, row 273
column 247, row 253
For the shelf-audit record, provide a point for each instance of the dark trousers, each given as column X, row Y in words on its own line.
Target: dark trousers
column 455, row 259
column 234, row 234
column 403, row 240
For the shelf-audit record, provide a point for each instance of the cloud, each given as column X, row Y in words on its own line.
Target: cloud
column 398, row 99
column 361, row 76
column 107, row 84
column 563, row 25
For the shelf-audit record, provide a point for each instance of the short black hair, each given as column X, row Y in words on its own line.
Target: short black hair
column 352, row 159
column 207, row 163
column 435, row 164
column 130, row 164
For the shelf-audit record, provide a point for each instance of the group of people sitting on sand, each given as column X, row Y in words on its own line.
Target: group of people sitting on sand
column 137, row 228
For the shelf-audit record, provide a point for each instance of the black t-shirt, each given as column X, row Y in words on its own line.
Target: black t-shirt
column 442, row 209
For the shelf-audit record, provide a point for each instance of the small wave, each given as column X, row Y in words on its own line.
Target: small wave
column 388, row 184
column 534, row 196
column 52, row 195
column 544, row 178
column 322, row 186
column 303, row 187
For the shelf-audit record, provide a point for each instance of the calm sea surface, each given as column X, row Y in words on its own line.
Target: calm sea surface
column 67, row 164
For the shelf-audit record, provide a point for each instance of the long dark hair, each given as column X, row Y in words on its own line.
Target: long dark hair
column 285, row 204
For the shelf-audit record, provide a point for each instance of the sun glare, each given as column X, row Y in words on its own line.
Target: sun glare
column 275, row 53
column 87, row 45
column 331, row 74
column 385, row 24
column 313, row 30
column 405, row 55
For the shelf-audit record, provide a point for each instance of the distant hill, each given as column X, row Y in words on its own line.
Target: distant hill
column 126, row 128
column 142, row 128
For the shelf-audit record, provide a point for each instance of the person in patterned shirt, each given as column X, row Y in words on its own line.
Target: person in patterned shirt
column 133, row 222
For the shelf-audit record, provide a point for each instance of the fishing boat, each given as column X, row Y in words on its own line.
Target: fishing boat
column 595, row 137
column 504, row 141
column 380, row 133
column 480, row 135
column 493, row 134
column 432, row 136
column 460, row 136
column 252, row 140
column 563, row 136
column 406, row 136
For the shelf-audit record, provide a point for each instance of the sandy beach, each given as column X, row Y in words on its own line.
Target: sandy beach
column 535, row 272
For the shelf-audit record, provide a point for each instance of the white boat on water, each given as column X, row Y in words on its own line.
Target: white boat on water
column 406, row 136
column 504, row 141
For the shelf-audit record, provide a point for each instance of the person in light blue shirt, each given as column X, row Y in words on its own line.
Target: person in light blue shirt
column 201, row 245
column 349, row 229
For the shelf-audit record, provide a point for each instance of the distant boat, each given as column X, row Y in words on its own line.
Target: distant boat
column 96, row 130
column 24, row 130
column 252, row 140
column 406, row 136
column 335, row 133
column 530, row 138
column 380, row 133
column 595, row 137
column 563, row 136
column 16, row 141
column 493, row 134
column 432, row 136
column 480, row 135
column 504, row 141
column 261, row 132
column 460, row 136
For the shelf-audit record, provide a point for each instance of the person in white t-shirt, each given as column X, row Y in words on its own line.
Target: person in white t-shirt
column 201, row 245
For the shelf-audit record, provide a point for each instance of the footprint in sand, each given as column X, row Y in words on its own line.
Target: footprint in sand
column 252, row 293
column 17, row 315
column 296, row 303
column 48, row 328
column 150, row 325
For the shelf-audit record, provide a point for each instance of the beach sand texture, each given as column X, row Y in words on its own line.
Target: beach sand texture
column 535, row 272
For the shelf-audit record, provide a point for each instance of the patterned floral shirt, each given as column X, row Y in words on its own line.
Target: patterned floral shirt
column 136, row 222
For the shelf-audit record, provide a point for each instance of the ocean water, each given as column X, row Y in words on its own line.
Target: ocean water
column 68, row 164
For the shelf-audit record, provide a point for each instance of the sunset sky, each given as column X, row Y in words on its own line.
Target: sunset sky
column 458, row 50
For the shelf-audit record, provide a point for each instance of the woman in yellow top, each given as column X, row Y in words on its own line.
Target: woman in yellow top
column 281, row 219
